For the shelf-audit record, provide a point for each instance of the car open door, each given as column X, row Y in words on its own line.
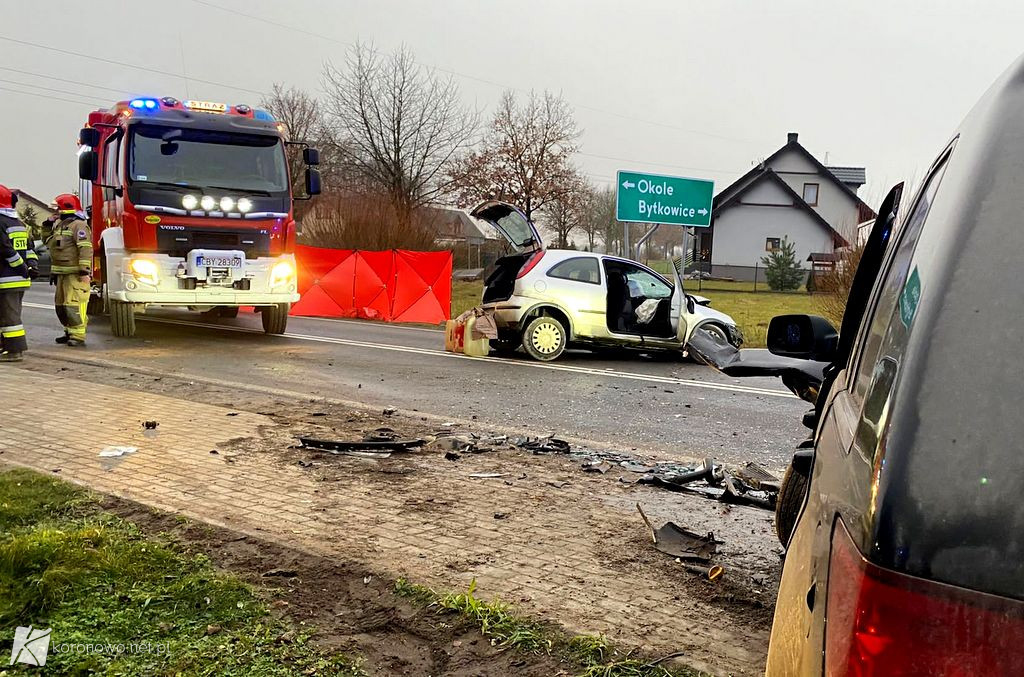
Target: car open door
column 511, row 223
column 680, row 309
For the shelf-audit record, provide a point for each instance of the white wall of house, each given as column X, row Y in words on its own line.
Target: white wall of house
column 742, row 230
column 834, row 204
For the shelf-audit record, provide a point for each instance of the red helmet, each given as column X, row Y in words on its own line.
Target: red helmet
column 7, row 198
column 68, row 203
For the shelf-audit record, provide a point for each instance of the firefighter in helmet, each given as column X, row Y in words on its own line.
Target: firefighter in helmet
column 70, row 245
column 18, row 265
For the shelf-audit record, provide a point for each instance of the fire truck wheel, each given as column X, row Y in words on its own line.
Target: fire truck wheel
column 122, row 319
column 275, row 318
column 95, row 307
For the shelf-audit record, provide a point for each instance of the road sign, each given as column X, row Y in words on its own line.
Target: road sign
column 654, row 198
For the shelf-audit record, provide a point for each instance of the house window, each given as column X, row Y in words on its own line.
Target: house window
column 772, row 243
column 811, row 194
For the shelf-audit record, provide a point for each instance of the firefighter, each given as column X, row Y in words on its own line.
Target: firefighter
column 18, row 265
column 70, row 246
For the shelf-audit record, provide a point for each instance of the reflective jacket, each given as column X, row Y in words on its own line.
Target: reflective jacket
column 14, row 248
column 70, row 246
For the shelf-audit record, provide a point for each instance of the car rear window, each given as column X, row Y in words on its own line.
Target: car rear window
column 579, row 269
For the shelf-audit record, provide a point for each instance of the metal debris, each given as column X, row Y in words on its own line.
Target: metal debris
column 597, row 465
column 687, row 545
column 366, row 445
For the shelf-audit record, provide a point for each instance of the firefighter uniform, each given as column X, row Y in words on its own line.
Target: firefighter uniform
column 17, row 264
column 70, row 245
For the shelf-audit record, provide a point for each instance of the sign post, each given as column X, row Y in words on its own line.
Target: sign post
column 655, row 198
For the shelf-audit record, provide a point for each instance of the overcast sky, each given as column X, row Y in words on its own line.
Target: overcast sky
column 700, row 89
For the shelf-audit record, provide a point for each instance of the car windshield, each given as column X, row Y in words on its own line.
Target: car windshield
column 186, row 157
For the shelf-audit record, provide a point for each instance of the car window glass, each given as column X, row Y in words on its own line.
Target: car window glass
column 893, row 282
column 645, row 284
column 580, row 269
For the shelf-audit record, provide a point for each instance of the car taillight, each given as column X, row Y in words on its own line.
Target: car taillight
column 881, row 622
column 530, row 263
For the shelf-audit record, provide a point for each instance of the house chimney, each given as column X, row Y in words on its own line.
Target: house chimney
column 791, row 137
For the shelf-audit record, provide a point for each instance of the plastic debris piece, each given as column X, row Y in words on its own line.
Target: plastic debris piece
column 113, row 451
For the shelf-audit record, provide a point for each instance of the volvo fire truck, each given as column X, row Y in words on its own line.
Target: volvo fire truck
column 190, row 204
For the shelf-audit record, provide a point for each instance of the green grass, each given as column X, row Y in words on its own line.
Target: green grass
column 591, row 655
column 95, row 579
column 465, row 295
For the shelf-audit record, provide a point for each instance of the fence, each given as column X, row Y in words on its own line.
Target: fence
column 703, row 276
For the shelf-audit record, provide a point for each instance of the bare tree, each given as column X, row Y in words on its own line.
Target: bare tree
column 402, row 126
column 526, row 155
column 599, row 219
column 566, row 213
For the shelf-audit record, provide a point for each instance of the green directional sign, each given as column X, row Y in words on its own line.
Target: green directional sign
column 654, row 198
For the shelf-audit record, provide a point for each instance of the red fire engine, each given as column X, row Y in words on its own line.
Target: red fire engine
column 190, row 204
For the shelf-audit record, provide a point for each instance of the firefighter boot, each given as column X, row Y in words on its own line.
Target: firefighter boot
column 11, row 357
column 62, row 339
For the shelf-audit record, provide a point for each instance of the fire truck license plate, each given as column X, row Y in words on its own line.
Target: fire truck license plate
column 218, row 262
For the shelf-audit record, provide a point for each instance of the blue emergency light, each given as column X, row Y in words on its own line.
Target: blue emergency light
column 139, row 104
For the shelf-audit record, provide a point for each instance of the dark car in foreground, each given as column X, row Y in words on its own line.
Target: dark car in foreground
column 907, row 555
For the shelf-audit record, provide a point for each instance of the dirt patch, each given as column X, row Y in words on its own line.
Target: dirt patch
column 349, row 608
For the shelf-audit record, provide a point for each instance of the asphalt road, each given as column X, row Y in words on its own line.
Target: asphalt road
column 666, row 408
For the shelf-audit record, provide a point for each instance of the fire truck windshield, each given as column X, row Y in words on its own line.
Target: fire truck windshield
column 197, row 157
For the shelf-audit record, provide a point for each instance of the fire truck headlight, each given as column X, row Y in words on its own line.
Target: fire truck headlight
column 227, row 204
column 281, row 273
column 244, row 204
column 146, row 271
column 208, row 203
column 189, row 202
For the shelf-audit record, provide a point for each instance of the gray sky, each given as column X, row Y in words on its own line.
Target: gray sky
column 699, row 89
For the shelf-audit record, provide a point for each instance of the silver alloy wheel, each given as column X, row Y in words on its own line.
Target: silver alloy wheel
column 716, row 332
column 546, row 337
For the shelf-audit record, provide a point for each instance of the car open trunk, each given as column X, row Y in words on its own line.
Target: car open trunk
column 502, row 281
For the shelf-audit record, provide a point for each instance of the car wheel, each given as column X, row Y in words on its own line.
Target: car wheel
column 787, row 505
column 544, row 338
column 717, row 332
column 122, row 319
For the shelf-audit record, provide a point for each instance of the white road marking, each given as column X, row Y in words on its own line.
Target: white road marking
column 606, row 372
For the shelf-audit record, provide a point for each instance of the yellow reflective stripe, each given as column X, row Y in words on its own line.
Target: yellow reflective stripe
column 15, row 260
column 13, row 334
column 84, row 243
column 23, row 282
column 64, row 270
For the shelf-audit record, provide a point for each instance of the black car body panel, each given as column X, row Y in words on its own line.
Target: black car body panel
column 919, row 442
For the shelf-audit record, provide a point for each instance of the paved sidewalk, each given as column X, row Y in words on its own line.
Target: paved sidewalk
column 556, row 554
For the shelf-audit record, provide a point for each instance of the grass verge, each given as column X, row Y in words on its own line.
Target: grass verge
column 589, row 655
column 145, row 607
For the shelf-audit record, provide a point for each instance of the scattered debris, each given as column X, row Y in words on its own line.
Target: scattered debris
column 674, row 540
column 212, row 629
column 597, row 465
column 150, row 425
column 318, row 413
column 367, row 579
column 543, row 445
column 451, row 456
column 370, row 444
column 557, row 484
column 214, row 451
column 632, row 466
column 712, row 573
column 280, row 573
column 300, row 463
column 500, row 515
column 112, row 451
column 390, row 411
column 486, row 475
column 231, row 413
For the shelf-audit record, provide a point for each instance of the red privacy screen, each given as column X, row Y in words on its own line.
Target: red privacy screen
column 392, row 286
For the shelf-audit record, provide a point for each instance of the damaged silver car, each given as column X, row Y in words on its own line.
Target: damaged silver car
column 547, row 300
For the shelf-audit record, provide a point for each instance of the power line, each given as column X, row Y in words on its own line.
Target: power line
column 48, row 89
column 128, row 65
column 659, row 164
column 328, row 38
column 48, row 97
column 54, row 77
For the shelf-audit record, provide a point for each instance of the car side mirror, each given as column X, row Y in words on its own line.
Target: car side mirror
column 691, row 305
column 312, row 182
column 805, row 337
column 311, row 156
column 88, row 166
column 89, row 136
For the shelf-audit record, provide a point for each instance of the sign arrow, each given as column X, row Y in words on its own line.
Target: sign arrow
column 702, row 212
column 628, row 184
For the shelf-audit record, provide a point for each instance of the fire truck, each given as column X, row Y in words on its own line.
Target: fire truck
column 190, row 204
